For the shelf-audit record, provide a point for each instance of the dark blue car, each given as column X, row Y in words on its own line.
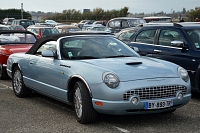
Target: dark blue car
column 175, row 42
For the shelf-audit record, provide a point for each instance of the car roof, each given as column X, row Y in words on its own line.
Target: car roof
column 131, row 28
column 39, row 26
column 54, row 37
column 124, row 18
column 152, row 17
column 181, row 24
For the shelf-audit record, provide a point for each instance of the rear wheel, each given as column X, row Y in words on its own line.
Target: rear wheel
column 85, row 112
column 3, row 72
column 19, row 88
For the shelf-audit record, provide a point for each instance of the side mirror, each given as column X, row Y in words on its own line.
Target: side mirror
column 48, row 53
column 178, row 44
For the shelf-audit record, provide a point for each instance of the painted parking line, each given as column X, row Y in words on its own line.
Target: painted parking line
column 122, row 130
column 3, row 87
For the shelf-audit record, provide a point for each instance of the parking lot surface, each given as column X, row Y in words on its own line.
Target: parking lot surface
column 38, row 114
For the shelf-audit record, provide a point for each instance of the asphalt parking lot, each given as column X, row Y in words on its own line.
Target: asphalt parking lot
column 39, row 114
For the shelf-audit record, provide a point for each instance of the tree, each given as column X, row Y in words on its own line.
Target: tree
column 14, row 13
column 184, row 11
column 193, row 14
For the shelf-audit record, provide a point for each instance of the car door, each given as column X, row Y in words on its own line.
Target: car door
column 45, row 73
column 144, row 40
column 178, row 55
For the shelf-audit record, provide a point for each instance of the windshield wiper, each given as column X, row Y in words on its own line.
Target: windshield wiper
column 116, row 56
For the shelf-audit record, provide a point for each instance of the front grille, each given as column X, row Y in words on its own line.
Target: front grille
column 155, row 92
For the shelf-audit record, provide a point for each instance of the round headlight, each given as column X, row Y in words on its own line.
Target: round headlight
column 111, row 80
column 183, row 74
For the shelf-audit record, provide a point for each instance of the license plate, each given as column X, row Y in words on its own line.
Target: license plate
column 158, row 104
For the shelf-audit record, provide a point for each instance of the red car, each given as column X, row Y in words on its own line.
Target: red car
column 13, row 41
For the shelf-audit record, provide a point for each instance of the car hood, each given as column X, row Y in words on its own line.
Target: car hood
column 17, row 48
column 135, row 68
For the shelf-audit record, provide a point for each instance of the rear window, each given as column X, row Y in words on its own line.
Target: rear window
column 27, row 23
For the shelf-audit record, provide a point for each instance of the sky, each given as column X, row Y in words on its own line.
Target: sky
column 135, row 6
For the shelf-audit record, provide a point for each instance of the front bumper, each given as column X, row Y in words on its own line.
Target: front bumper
column 127, row 108
column 114, row 102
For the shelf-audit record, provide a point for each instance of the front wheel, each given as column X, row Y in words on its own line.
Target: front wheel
column 85, row 112
column 19, row 88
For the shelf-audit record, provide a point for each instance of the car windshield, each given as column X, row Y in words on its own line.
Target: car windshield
column 194, row 35
column 17, row 38
column 94, row 48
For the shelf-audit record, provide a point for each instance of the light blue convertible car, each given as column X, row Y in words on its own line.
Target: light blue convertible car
column 97, row 73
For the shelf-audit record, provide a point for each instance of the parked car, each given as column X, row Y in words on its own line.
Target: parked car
column 8, row 21
column 12, row 41
column 117, row 24
column 97, row 73
column 24, row 22
column 42, row 30
column 4, row 27
column 51, row 22
column 178, row 43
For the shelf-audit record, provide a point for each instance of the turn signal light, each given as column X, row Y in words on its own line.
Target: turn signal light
column 99, row 103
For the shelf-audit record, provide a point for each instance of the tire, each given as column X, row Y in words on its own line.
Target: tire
column 3, row 72
column 19, row 88
column 85, row 112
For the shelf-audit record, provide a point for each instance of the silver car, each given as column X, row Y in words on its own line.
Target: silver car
column 97, row 73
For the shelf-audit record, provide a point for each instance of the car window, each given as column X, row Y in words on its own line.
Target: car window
column 115, row 23
column 94, row 48
column 51, row 45
column 146, row 36
column 126, row 35
column 167, row 36
column 135, row 22
column 194, row 35
column 17, row 38
column 125, row 24
column 35, row 30
column 49, row 31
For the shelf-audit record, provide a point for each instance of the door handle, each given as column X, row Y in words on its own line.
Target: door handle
column 157, row 51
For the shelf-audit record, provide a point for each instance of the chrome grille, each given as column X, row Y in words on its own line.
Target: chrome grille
column 155, row 92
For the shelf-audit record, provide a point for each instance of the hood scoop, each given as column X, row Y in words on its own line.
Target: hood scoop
column 133, row 63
